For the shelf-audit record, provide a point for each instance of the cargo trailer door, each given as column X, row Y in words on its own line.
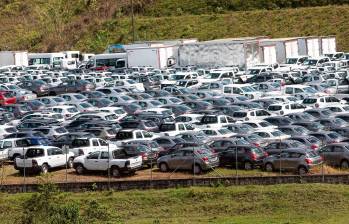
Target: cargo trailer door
column 269, row 54
column 291, row 48
column 313, row 47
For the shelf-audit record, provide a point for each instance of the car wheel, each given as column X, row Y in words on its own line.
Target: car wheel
column 302, row 170
column 344, row 164
column 163, row 167
column 44, row 169
column 248, row 166
column 115, row 172
column 269, row 167
column 197, row 169
column 70, row 163
column 80, row 169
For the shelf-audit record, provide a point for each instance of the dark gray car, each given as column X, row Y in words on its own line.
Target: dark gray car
column 336, row 154
column 197, row 159
column 294, row 160
column 71, row 86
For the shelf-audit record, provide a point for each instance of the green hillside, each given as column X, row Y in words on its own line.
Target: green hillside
column 91, row 25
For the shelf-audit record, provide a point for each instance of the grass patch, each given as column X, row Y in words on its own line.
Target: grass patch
column 316, row 203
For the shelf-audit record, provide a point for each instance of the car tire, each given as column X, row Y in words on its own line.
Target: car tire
column 44, row 168
column 269, row 167
column 70, row 163
column 15, row 156
column 344, row 164
column 79, row 169
column 115, row 172
column 163, row 167
column 248, row 165
column 302, row 170
column 197, row 169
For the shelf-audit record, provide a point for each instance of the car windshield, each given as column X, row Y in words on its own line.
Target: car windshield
column 309, row 90
column 79, row 96
column 224, row 131
column 310, row 62
column 80, row 143
column 240, row 114
column 253, row 71
column 296, row 144
column 209, row 120
column 213, row 75
column 277, row 133
column 291, row 61
column 334, row 135
column 176, row 77
column 247, row 89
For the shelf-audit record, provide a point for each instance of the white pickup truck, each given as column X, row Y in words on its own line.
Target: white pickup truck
column 43, row 158
column 14, row 147
column 84, row 146
column 118, row 161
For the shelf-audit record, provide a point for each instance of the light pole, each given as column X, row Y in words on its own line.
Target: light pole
column 133, row 23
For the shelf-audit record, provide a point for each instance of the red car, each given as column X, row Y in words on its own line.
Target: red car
column 7, row 97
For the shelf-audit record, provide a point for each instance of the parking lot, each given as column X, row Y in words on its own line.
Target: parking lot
column 97, row 118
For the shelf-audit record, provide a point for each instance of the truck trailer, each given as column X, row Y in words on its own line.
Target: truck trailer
column 17, row 58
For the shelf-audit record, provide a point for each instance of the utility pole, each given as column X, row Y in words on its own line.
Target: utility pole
column 133, row 23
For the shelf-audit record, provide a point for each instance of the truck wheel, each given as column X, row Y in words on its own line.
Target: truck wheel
column 163, row 167
column 115, row 172
column 269, row 167
column 44, row 169
column 80, row 169
column 248, row 165
column 344, row 164
column 70, row 163
column 15, row 156
column 302, row 170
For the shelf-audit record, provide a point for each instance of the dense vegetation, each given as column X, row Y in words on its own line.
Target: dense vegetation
column 292, row 204
column 91, row 25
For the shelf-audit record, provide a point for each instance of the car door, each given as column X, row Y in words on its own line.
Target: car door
column 102, row 163
column 228, row 156
column 91, row 161
column 188, row 159
column 175, row 160
column 58, row 157
column 326, row 154
column 337, row 155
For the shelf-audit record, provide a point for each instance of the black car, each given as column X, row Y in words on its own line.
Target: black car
column 246, row 157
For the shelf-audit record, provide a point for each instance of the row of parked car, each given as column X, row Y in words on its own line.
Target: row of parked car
column 191, row 119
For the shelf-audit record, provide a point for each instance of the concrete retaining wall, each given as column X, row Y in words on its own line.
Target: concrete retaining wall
column 172, row 183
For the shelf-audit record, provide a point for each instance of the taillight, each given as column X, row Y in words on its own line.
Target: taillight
column 205, row 159
column 266, row 154
column 144, row 155
column 308, row 161
column 253, row 156
column 314, row 147
column 256, row 144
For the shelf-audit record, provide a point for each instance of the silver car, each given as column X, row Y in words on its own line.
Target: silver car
column 197, row 159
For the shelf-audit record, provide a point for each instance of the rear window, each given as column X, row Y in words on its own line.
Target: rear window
column 257, row 151
column 240, row 114
column 81, row 143
column 33, row 153
column 61, row 130
column 312, row 154
column 72, row 110
column 123, row 135
column 11, row 130
column 209, row 120
column 309, row 101
column 274, row 108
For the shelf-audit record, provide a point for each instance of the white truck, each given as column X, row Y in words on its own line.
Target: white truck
column 85, row 146
column 17, row 58
column 118, row 161
column 40, row 159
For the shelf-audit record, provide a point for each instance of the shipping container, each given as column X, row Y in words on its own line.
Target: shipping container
column 284, row 48
column 241, row 52
column 328, row 45
column 17, row 58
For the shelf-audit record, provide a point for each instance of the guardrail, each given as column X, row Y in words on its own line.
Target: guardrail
column 173, row 183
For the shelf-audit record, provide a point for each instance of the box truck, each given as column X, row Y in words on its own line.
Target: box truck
column 17, row 58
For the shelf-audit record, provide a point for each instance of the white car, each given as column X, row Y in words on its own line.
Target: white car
column 251, row 115
column 43, row 158
column 321, row 102
column 65, row 110
column 84, row 146
column 286, row 108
